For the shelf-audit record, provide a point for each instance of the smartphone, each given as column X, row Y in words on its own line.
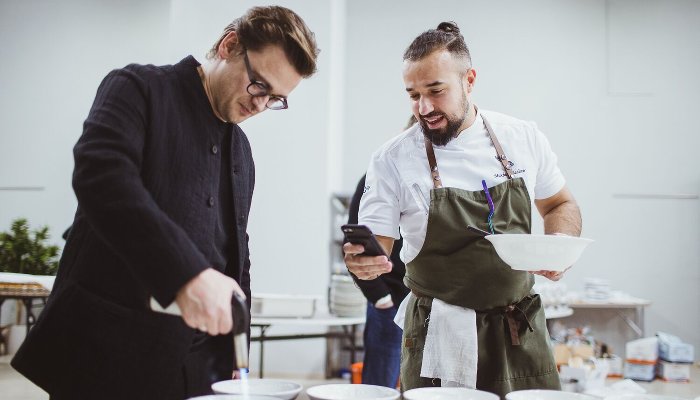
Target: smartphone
column 360, row 234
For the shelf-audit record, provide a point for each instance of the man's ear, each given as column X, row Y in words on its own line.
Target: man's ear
column 470, row 78
column 228, row 46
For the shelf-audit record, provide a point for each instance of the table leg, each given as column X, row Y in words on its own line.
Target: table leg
column 262, row 344
column 3, row 348
column 353, row 331
column 31, row 319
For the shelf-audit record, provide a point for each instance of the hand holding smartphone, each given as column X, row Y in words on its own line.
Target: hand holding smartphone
column 361, row 234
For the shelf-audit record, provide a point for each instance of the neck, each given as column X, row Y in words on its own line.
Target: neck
column 204, row 76
column 470, row 118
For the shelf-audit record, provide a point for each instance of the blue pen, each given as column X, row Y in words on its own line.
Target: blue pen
column 491, row 207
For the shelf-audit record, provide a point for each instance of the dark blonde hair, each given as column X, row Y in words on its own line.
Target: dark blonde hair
column 445, row 37
column 275, row 25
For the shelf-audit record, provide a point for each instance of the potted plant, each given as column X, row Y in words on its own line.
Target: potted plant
column 23, row 251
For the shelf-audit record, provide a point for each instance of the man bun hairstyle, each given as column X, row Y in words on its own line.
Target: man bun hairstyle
column 445, row 37
column 274, row 25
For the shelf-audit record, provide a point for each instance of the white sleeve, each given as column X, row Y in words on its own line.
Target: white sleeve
column 549, row 179
column 379, row 207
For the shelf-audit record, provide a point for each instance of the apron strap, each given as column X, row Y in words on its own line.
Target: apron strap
column 437, row 183
column 500, row 155
column 514, row 323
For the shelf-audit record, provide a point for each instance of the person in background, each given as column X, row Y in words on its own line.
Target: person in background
column 382, row 337
column 470, row 319
column 164, row 179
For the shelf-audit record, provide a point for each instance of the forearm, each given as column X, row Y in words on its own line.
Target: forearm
column 564, row 218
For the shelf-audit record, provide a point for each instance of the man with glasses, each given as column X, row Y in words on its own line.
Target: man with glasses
column 470, row 319
column 164, row 179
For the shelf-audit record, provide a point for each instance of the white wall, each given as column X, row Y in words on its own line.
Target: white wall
column 54, row 56
column 614, row 86
column 612, row 83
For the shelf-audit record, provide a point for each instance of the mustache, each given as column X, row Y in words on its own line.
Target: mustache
column 432, row 114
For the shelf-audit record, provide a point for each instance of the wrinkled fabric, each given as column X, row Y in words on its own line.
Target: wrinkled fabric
column 451, row 350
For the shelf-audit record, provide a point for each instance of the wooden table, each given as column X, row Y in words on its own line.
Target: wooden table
column 638, row 305
column 27, row 294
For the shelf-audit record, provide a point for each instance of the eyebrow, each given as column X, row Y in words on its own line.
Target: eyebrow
column 432, row 84
column 260, row 79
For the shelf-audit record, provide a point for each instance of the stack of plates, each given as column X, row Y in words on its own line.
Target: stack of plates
column 596, row 289
column 345, row 298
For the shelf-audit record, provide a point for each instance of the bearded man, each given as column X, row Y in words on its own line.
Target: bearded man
column 470, row 320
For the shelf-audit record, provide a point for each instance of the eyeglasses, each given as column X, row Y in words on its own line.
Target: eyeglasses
column 259, row 89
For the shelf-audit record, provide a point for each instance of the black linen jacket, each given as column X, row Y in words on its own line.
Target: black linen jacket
column 146, row 178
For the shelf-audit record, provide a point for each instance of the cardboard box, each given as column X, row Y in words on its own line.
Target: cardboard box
column 586, row 377
column 281, row 305
column 671, row 348
column 639, row 371
column 642, row 351
column 615, row 366
column 675, row 372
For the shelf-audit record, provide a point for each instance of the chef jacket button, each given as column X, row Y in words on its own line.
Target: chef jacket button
column 214, row 149
column 210, row 202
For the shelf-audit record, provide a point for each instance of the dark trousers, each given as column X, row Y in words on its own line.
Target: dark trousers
column 382, row 340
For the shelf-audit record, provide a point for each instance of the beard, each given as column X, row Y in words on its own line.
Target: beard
column 442, row 136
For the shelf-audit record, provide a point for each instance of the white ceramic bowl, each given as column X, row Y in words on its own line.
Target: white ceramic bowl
column 233, row 397
column 643, row 397
column 265, row 387
column 447, row 393
column 547, row 395
column 538, row 252
column 346, row 391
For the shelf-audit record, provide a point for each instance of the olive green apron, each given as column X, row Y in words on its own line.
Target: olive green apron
column 462, row 268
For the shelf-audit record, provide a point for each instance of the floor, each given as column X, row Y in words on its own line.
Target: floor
column 13, row 386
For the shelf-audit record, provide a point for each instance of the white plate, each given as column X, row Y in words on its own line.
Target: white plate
column 547, row 395
column 538, row 252
column 447, row 393
column 233, row 397
column 265, row 387
column 346, row 391
column 643, row 397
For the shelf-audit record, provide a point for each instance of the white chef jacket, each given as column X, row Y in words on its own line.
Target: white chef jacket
column 398, row 183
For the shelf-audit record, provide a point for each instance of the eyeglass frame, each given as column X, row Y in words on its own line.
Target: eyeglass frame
column 261, row 85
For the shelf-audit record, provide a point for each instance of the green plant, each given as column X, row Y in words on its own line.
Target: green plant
column 25, row 252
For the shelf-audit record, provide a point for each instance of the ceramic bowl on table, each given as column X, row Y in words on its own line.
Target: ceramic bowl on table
column 527, row 252
column 233, row 397
column 547, row 395
column 637, row 396
column 276, row 388
column 447, row 393
column 346, row 391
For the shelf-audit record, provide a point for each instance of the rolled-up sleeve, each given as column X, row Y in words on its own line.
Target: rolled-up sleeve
column 379, row 207
column 549, row 179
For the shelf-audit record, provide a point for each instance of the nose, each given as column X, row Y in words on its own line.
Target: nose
column 425, row 107
column 259, row 102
